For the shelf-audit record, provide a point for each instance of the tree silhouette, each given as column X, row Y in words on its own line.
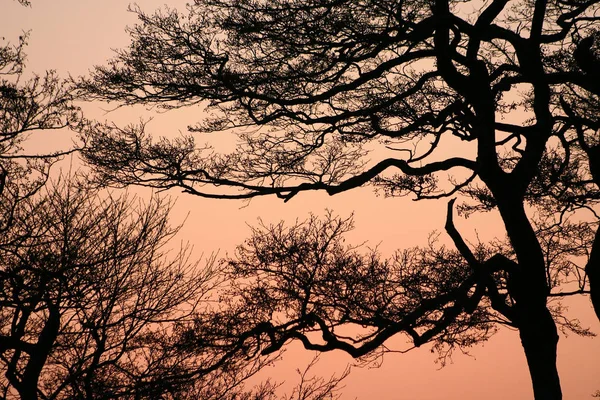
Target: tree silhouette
column 86, row 288
column 93, row 306
column 496, row 103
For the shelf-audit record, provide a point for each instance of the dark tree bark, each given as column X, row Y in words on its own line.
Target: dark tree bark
column 539, row 338
column 29, row 384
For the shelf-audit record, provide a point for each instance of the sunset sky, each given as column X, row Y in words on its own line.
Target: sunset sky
column 71, row 36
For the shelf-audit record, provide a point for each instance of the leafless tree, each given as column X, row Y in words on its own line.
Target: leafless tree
column 89, row 297
column 305, row 279
column 94, row 301
column 94, row 304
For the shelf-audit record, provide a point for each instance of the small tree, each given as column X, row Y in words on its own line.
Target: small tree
column 86, row 293
column 478, row 100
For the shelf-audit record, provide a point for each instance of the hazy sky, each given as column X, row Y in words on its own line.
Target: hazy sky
column 73, row 35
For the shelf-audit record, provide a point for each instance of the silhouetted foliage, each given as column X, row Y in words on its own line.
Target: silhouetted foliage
column 86, row 290
column 495, row 102
column 93, row 306
column 304, row 282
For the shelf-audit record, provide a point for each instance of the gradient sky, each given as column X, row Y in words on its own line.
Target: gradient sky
column 71, row 36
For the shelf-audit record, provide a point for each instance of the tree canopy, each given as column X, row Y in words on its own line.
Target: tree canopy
column 95, row 305
column 495, row 102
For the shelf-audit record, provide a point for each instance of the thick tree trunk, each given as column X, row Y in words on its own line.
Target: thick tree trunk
column 528, row 286
column 38, row 357
column 593, row 272
column 539, row 338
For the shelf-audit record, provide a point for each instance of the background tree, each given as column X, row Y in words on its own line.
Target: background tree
column 93, row 306
column 464, row 99
column 86, row 290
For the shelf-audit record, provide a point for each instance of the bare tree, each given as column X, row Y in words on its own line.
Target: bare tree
column 95, row 304
column 494, row 102
column 86, row 292
column 94, row 301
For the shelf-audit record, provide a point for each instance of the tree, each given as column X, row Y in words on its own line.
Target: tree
column 92, row 305
column 86, row 290
column 305, row 282
column 477, row 100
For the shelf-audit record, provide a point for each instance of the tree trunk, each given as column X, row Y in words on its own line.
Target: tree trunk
column 593, row 272
column 38, row 357
column 539, row 338
column 592, row 268
column 529, row 288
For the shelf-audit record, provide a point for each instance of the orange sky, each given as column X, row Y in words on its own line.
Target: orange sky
column 73, row 35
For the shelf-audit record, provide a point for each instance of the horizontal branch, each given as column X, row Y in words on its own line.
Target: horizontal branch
column 368, row 175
